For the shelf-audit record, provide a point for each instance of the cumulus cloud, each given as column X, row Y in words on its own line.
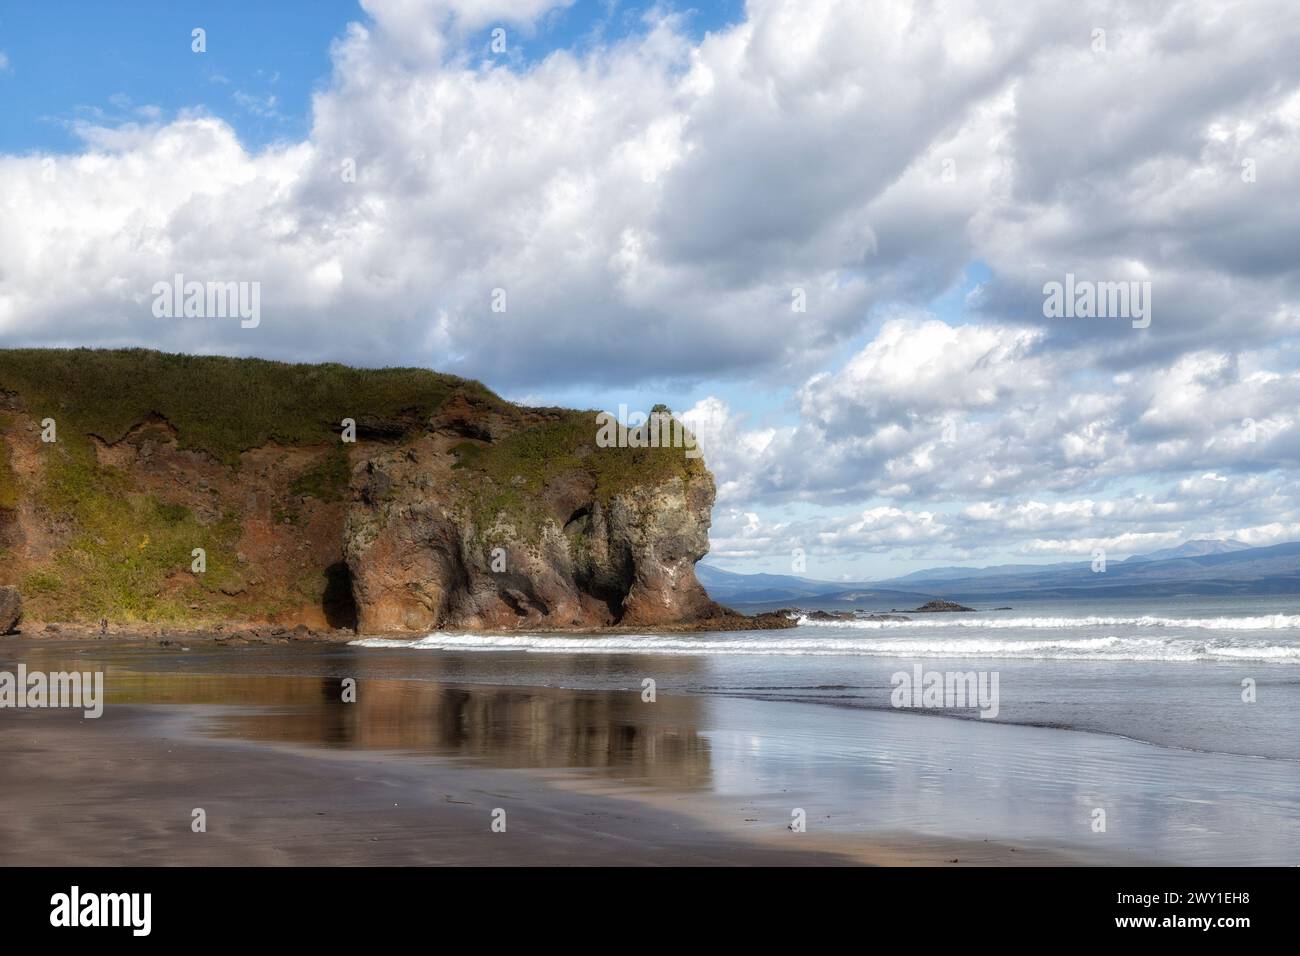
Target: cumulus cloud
column 675, row 192
column 1013, row 449
column 915, row 368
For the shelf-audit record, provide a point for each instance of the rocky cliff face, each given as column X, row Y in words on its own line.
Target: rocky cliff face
column 451, row 509
column 433, row 540
column 419, row 562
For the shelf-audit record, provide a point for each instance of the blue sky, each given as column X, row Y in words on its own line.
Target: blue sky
column 103, row 62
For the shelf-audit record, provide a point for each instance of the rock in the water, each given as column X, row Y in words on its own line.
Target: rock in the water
column 729, row 620
column 940, row 605
column 830, row 615
column 11, row 609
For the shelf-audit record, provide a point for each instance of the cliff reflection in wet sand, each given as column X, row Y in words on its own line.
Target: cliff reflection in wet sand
column 655, row 743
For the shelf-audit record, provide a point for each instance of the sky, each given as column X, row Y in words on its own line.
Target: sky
column 822, row 232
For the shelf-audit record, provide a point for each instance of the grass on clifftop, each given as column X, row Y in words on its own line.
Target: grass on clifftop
column 219, row 405
column 543, row 452
column 519, row 466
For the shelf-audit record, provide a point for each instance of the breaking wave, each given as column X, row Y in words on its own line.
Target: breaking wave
column 1109, row 648
column 1265, row 622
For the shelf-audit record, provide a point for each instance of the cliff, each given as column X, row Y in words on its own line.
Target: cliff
column 192, row 491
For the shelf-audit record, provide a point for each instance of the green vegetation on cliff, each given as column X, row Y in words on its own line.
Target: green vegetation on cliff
column 507, row 477
column 8, row 480
column 328, row 478
column 528, row 459
column 124, row 549
column 219, row 405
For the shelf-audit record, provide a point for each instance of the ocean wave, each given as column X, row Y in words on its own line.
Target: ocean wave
column 1110, row 648
column 1264, row 622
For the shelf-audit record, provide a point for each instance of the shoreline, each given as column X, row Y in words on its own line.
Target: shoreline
column 269, row 633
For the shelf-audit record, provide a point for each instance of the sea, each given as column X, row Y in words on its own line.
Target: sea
column 1219, row 675
column 1162, row 731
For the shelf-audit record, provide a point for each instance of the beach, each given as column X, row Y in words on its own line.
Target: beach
column 720, row 765
column 122, row 790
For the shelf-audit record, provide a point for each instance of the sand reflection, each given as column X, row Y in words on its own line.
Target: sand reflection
column 655, row 743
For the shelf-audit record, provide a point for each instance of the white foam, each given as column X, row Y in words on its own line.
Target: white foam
column 1266, row 622
column 1108, row 648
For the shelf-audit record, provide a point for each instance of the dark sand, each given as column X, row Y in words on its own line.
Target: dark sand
column 408, row 775
column 121, row 790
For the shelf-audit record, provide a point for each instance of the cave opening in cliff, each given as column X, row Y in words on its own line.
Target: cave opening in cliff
column 338, row 602
column 613, row 587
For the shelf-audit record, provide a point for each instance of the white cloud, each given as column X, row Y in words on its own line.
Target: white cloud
column 919, row 367
column 654, row 187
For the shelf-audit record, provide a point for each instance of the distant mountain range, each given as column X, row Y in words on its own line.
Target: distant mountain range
column 784, row 589
column 1195, row 548
column 1198, row 567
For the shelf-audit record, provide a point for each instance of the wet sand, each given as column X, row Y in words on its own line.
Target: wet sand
column 121, row 791
column 410, row 773
column 287, row 774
